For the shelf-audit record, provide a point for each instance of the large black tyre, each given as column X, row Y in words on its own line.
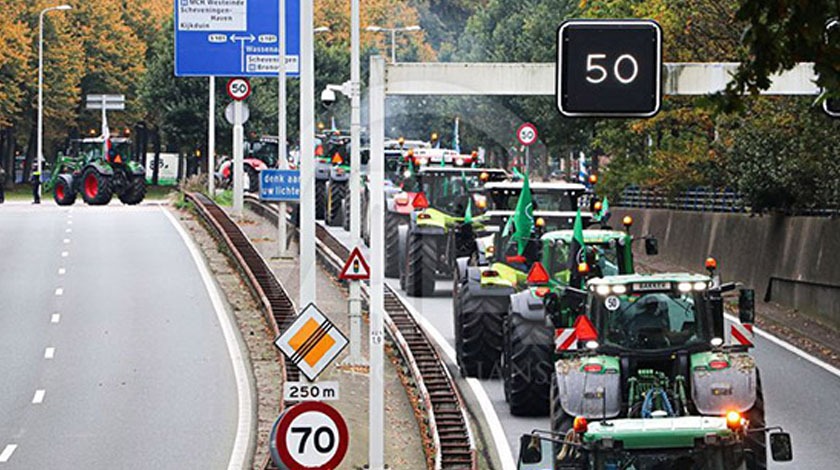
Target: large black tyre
column 96, row 187
column 756, row 442
column 527, row 365
column 64, row 194
column 345, row 211
column 252, row 180
column 335, row 212
column 392, row 241
column 135, row 191
column 478, row 329
column 420, row 265
column 320, row 199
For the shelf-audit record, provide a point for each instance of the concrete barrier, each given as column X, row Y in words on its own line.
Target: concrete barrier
column 793, row 261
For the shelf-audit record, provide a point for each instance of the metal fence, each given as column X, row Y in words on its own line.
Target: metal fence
column 708, row 200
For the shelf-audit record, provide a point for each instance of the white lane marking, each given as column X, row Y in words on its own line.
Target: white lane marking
column 59, row 291
column 70, row 230
column 61, row 271
column 493, row 421
column 7, row 453
column 241, row 443
column 69, row 222
column 65, row 254
column 56, row 317
column 790, row 348
column 67, row 240
column 39, row 396
column 49, row 353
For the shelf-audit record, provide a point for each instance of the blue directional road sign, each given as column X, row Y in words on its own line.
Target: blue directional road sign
column 234, row 38
column 280, row 185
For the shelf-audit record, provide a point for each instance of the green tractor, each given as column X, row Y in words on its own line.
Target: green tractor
column 443, row 196
column 483, row 284
column 642, row 378
column 528, row 331
column 97, row 170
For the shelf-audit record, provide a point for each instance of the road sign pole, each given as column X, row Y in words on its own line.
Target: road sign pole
column 211, row 139
column 377, row 203
column 281, row 122
column 355, row 300
column 528, row 160
column 238, row 141
column 307, row 156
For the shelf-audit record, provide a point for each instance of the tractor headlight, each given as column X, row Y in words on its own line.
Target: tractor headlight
column 684, row 287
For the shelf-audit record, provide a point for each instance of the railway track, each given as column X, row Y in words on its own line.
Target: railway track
column 443, row 407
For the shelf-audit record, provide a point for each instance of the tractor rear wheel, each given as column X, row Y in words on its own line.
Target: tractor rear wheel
column 96, row 187
column 335, row 213
column 64, row 194
column 135, row 191
column 420, row 265
column 527, row 365
column 392, row 242
column 757, row 441
column 320, row 199
column 479, row 322
column 345, row 213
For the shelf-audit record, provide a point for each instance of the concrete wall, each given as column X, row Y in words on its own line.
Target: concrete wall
column 793, row 261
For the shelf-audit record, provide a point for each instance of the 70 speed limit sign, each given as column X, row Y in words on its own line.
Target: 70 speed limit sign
column 309, row 436
column 238, row 88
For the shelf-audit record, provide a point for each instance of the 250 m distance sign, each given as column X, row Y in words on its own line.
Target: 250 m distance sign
column 609, row 68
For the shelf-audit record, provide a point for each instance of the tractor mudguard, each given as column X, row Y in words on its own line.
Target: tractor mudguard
column 101, row 168
column 591, row 395
column 255, row 163
column 717, row 391
column 462, row 265
column 428, row 229
column 68, row 179
column 135, row 169
column 528, row 305
column 322, row 171
column 339, row 175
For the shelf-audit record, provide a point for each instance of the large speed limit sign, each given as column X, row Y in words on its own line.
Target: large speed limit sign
column 609, row 68
column 527, row 134
column 309, row 436
column 238, row 88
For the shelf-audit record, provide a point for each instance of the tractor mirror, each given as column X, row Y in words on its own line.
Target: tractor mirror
column 651, row 246
column 780, row 447
column 746, row 306
column 530, row 449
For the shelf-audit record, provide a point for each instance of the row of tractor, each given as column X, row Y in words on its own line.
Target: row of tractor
column 634, row 370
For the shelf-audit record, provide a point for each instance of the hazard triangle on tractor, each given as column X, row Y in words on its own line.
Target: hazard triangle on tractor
column 356, row 268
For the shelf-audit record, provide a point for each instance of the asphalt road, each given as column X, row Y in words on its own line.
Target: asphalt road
column 800, row 396
column 110, row 351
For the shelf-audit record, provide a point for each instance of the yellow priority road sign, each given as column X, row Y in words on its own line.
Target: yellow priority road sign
column 311, row 342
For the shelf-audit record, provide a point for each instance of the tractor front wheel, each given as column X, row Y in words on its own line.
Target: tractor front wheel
column 421, row 253
column 320, row 199
column 392, row 241
column 757, row 441
column 479, row 322
column 135, row 191
column 64, row 193
column 334, row 204
column 527, row 365
column 96, row 187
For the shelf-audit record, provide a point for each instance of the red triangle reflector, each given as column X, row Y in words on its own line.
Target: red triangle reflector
column 420, row 201
column 584, row 330
column 336, row 159
column 538, row 274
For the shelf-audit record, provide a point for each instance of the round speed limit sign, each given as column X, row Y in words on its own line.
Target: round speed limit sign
column 238, row 88
column 309, row 436
column 527, row 134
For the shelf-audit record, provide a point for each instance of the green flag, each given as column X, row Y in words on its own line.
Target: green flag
column 468, row 214
column 523, row 217
column 518, row 174
column 577, row 252
column 605, row 209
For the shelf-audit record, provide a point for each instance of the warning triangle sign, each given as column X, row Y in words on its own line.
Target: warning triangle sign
column 356, row 268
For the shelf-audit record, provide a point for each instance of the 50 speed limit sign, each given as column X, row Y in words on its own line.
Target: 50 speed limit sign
column 238, row 88
column 309, row 436
column 527, row 134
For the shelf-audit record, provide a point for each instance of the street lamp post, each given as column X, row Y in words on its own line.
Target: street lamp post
column 40, row 155
column 393, row 31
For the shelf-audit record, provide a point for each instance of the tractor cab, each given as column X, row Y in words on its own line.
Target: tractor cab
column 265, row 149
column 546, row 197
column 448, row 190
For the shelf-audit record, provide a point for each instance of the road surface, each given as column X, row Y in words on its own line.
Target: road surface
column 800, row 396
column 112, row 353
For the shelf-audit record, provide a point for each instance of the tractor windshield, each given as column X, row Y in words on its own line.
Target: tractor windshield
column 605, row 259
column 649, row 321
column 451, row 194
column 548, row 201
column 265, row 151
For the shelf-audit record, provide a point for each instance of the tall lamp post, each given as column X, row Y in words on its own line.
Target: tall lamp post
column 41, row 86
column 393, row 31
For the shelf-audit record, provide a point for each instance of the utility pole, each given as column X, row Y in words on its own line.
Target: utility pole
column 211, row 139
column 307, row 156
column 281, row 124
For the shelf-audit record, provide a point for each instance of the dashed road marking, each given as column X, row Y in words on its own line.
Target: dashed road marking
column 59, row 291
column 62, row 271
column 49, row 353
column 7, row 453
column 56, row 317
column 69, row 222
column 69, row 230
column 39, row 397
column 66, row 240
column 65, row 254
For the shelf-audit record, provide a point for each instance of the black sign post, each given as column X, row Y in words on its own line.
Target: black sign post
column 609, row 68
